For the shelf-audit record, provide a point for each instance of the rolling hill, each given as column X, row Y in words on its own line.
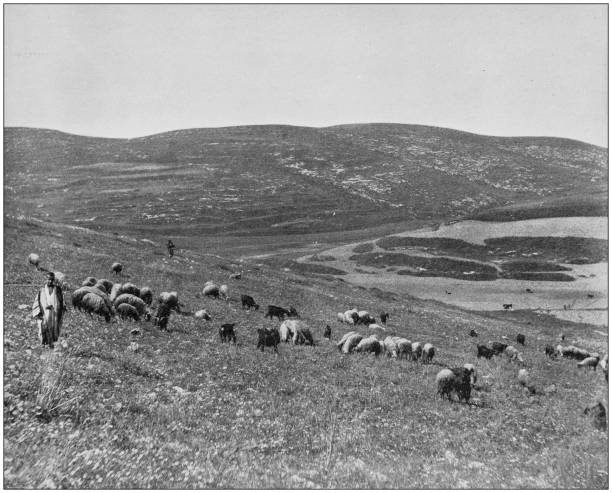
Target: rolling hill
column 270, row 180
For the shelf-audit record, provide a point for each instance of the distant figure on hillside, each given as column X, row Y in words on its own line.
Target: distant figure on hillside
column 171, row 247
column 49, row 309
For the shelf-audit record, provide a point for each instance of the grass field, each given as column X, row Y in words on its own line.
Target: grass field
column 185, row 411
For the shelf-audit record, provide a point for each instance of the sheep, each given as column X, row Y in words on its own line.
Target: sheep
column 456, row 380
column 130, row 299
column 351, row 316
column 235, row 276
column 268, row 337
column 428, row 353
column 343, row 339
column 513, row 354
column 227, row 333
column 126, row 311
column 498, row 347
column 369, row 344
column 79, row 294
column 89, row 281
column 417, row 349
column 295, row 330
column 364, row 318
column 376, row 327
column 383, row 317
column 211, row 290
column 572, row 352
column 93, row 303
column 550, row 351
column 34, row 260
column 203, row 314
column 404, row 347
column 130, row 288
column 591, row 361
column 224, row 291
column 484, row 351
column 169, row 298
column 523, row 377
column 287, row 330
column 391, row 347
column 473, row 333
column 116, row 268
column 598, row 415
column 162, row 316
column 327, row 332
column 351, row 342
column 473, row 377
column 146, row 295
column 302, row 335
column 520, row 338
column 248, row 302
column 340, row 317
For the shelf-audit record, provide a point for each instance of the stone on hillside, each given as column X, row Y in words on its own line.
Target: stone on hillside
column 22, row 307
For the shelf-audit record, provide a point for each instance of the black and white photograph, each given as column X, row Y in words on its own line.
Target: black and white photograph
column 305, row 246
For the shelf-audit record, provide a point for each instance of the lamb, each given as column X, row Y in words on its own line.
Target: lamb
column 248, row 302
column 89, row 281
column 590, row 362
column 286, row 330
column 456, row 380
column 343, row 339
column 428, row 353
column 369, row 345
column 203, row 314
column 146, row 295
column 93, row 303
column 224, row 291
column 484, row 351
column 340, row 317
column 327, row 332
column 268, row 337
column 34, row 260
column 417, row 349
column 227, row 333
column 126, row 311
column 520, row 338
column 116, row 268
column 130, row 299
column 211, row 290
column 351, row 342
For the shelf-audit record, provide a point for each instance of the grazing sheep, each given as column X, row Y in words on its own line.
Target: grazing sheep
column 340, row 317
column 203, row 314
column 79, row 294
column 391, row 347
column 343, row 339
column 248, row 302
column 169, row 298
column 473, row 377
column 520, row 338
column 162, row 316
column 327, row 332
column 235, row 276
column 513, row 354
column 404, row 347
column 523, row 377
column 89, row 281
column 598, row 415
column 268, row 338
column 369, row 344
column 498, row 347
column 364, row 318
column 224, row 291
column 456, row 380
column 227, row 333
column 34, row 260
column 376, row 327
column 302, row 335
column 572, row 352
column 276, row 311
column 383, row 317
column 484, row 351
column 351, row 342
column 417, row 349
column 116, row 268
column 351, row 316
column 550, row 351
column 211, row 290
column 146, row 295
column 473, row 333
column 428, row 353
column 92, row 303
column 126, row 311
column 130, row 299
column 129, row 288
column 590, row 362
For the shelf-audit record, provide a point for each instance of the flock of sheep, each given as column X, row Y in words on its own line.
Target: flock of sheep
column 107, row 299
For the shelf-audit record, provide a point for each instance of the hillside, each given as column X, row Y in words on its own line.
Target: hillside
column 283, row 179
column 185, row 411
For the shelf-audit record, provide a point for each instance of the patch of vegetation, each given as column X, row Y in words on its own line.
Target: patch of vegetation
column 563, row 249
column 303, row 267
column 437, row 246
column 531, row 266
column 321, row 258
column 475, row 276
column 363, row 248
column 538, row 276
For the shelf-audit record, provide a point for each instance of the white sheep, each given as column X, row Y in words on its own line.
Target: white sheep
column 92, row 303
column 590, row 362
column 404, row 347
column 34, row 259
column 348, row 316
column 224, row 291
column 417, row 349
column 376, row 327
column 369, row 344
column 343, row 339
column 131, row 299
column 523, row 377
column 125, row 311
column 351, row 342
column 287, row 330
column 203, row 314
column 428, row 353
column 340, row 317
column 513, row 354
column 391, row 347
column 211, row 290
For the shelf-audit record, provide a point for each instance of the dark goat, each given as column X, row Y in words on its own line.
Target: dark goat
column 276, row 311
column 498, row 347
column 473, row 333
column 598, row 415
column 248, row 302
column 461, row 384
column 520, row 338
column 269, row 338
column 227, row 334
column 162, row 316
column 327, row 332
column 550, row 351
column 484, row 351
column 383, row 317
column 507, row 306
column 293, row 312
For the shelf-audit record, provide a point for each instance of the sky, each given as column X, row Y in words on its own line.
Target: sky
column 134, row 70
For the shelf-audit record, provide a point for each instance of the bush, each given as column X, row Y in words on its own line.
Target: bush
column 364, row 248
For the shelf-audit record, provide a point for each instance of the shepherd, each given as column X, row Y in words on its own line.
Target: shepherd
column 49, row 309
column 170, row 246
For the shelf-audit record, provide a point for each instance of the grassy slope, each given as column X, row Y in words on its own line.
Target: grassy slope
column 308, row 417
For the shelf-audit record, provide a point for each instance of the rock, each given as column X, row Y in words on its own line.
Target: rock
column 22, row 307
